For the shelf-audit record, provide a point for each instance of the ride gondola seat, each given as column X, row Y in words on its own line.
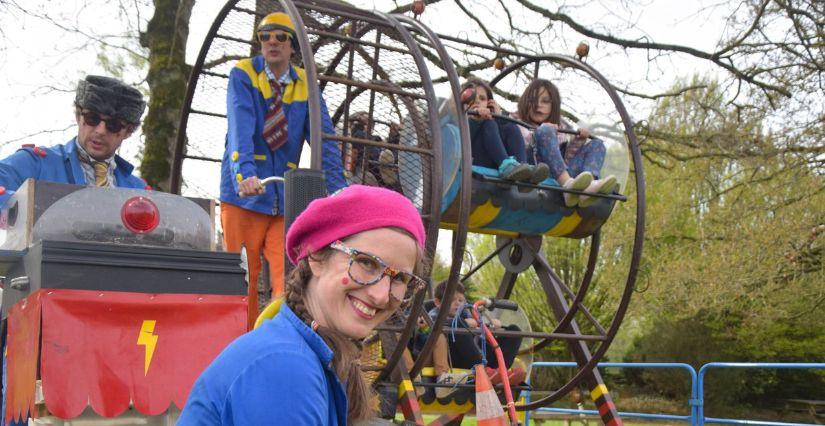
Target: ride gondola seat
column 505, row 209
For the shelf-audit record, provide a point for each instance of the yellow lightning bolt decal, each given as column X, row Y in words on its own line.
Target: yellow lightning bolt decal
column 148, row 339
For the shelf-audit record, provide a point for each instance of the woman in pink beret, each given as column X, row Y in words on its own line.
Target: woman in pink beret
column 356, row 256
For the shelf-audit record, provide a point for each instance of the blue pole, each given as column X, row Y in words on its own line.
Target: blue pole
column 700, row 396
column 527, row 402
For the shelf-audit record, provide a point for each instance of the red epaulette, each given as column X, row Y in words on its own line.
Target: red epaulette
column 35, row 149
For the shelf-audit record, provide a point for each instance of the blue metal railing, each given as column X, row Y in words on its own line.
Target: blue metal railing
column 696, row 401
column 700, row 417
column 687, row 367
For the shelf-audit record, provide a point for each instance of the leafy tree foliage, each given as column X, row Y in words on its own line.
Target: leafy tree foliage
column 733, row 269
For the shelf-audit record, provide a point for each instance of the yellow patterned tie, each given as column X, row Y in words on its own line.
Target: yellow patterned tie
column 101, row 173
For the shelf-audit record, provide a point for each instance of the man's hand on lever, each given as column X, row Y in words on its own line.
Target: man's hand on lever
column 250, row 186
column 253, row 186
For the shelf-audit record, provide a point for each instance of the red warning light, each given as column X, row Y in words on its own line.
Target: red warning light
column 140, row 215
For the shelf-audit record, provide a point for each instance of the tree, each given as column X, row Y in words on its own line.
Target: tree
column 165, row 38
column 734, row 267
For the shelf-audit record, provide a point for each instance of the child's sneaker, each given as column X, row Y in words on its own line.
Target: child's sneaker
column 579, row 183
column 510, row 169
column 387, row 168
column 516, row 376
column 450, row 380
column 601, row 186
column 492, row 374
column 539, row 173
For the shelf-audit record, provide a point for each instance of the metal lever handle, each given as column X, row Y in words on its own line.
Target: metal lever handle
column 503, row 304
column 265, row 182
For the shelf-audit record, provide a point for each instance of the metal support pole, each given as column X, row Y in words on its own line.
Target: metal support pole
column 580, row 351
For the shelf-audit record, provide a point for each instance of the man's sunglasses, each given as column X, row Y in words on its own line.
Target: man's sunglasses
column 113, row 125
column 280, row 36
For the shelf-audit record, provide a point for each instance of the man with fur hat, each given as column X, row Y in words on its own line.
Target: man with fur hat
column 107, row 112
column 268, row 122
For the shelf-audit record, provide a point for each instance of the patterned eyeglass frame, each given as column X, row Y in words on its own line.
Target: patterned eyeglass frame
column 415, row 284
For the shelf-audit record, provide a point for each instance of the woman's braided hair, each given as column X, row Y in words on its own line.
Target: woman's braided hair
column 346, row 351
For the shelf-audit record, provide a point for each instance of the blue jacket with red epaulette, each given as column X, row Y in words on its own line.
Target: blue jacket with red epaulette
column 58, row 163
column 247, row 153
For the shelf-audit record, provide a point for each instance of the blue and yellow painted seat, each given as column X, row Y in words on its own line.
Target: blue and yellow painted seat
column 507, row 210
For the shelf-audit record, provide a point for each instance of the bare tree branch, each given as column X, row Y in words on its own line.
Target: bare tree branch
column 716, row 58
column 41, row 132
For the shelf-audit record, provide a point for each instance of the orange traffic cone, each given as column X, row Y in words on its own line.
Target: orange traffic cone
column 488, row 407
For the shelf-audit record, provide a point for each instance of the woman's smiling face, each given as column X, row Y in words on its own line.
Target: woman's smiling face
column 337, row 302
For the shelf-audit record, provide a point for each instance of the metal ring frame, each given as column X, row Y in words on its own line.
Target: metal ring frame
column 411, row 33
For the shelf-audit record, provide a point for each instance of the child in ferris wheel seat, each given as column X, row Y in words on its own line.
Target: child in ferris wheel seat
column 463, row 350
column 496, row 143
column 575, row 163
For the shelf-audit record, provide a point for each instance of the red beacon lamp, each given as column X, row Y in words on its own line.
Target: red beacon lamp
column 140, row 215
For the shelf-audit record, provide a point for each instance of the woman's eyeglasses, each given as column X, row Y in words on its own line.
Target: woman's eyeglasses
column 368, row 269
column 280, row 36
column 113, row 125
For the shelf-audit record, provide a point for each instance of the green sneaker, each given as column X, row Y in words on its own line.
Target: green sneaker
column 510, row 169
column 538, row 173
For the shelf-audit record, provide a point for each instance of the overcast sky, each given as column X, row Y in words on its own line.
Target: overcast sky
column 40, row 62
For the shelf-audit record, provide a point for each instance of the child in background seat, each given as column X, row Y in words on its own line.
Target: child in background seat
column 464, row 350
column 575, row 164
column 496, row 144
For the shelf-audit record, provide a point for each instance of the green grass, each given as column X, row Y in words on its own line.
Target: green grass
column 470, row 421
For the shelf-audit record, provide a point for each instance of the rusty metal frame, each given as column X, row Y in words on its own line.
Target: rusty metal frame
column 411, row 33
column 191, row 85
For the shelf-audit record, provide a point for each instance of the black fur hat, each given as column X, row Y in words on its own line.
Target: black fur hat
column 109, row 96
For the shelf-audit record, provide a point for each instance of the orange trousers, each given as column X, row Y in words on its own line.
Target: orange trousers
column 260, row 234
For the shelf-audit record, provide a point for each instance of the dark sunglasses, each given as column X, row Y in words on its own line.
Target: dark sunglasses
column 113, row 125
column 279, row 36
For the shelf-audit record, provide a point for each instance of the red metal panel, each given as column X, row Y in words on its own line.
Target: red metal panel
column 106, row 349
column 22, row 350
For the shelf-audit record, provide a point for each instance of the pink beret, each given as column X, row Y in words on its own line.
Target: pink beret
column 354, row 209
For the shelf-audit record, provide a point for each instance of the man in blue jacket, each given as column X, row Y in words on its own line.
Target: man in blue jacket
column 268, row 119
column 107, row 112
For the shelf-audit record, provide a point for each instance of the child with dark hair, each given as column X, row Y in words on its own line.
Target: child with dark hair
column 496, row 144
column 374, row 165
column 575, row 164
column 464, row 349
